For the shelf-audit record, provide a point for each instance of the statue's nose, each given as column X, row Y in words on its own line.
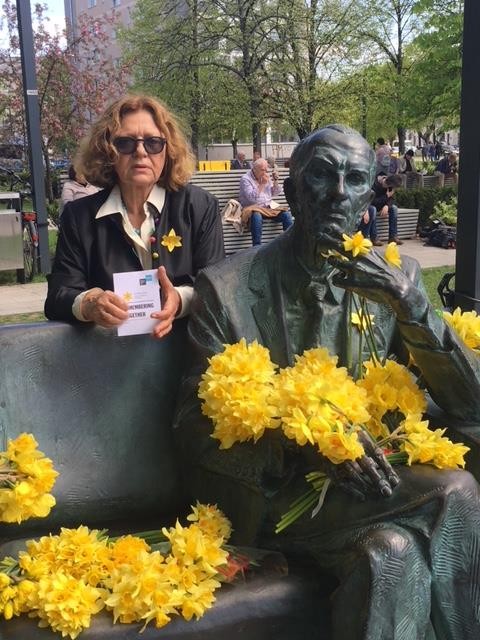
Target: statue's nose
column 338, row 189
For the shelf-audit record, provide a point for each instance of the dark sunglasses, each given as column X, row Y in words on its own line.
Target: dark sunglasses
column 127, row 145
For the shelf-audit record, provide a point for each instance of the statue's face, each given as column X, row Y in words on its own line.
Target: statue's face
column 334, row 187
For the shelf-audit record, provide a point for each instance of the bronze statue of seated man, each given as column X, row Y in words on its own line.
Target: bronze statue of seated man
column 405, row 553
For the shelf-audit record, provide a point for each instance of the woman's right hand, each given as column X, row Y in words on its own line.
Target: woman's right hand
column 104, row 308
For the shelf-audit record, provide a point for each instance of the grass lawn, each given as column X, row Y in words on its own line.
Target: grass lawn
column 431, row 278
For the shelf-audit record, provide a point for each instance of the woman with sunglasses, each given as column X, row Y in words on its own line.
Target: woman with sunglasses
column 137, row 154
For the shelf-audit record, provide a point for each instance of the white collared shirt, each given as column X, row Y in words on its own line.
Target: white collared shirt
column 114, row 204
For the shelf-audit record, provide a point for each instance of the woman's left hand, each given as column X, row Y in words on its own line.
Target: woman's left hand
column 171, row 305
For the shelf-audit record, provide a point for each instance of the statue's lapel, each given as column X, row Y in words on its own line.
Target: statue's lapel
column 264, row 282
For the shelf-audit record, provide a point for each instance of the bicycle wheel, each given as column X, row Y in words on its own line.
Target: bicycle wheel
column 30, row 254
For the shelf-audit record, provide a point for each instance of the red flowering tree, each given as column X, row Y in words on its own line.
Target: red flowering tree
column 75, row 76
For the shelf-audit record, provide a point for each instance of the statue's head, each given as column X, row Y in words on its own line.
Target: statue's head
column 331, row 173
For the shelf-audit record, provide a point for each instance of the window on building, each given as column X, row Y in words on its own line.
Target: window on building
column 92, row 3
column 116, row 3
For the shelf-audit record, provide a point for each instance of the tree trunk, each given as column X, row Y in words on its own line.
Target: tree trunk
column 48, row 176
column 401, row 140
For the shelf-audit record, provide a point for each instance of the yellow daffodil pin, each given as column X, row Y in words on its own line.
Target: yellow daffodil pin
column 171, row 241
column 361, row 320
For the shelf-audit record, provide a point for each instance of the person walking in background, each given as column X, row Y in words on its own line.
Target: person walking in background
column 74, row 188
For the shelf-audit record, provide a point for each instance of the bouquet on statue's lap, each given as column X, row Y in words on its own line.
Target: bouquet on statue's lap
column 316, row 402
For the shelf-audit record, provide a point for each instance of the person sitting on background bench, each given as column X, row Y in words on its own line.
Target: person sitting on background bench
column 240, row 162
column 74, row 188
column 447, row 167
column 384, row 189
column 368, row 225
column 255, row 196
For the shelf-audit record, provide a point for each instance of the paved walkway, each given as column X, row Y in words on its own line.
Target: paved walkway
column 29, row 298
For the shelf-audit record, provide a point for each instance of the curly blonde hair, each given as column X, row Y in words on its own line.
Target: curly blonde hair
column 97, row 155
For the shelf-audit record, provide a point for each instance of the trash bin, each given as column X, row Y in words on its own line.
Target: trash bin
column 11, row 235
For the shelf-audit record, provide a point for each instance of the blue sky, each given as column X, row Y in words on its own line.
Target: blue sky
column 55, row 11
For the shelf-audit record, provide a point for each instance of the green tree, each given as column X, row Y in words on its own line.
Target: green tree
column 434, row 96
column 172, row 51
column 389, row 26
column 318, row 41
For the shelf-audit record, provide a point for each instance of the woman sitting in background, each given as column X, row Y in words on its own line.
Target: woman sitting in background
column 74, row 188
column 137, row 154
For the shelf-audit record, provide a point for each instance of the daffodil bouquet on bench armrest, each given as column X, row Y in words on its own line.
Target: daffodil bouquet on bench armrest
column 316, row 402
column 65, row 579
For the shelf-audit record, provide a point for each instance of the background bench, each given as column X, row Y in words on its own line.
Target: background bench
column 225, row 186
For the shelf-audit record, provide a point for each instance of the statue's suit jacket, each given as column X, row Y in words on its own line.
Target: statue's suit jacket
column 245, row 297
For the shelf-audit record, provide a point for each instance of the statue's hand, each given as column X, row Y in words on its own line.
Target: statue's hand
column 372, row 277
column 370, row 474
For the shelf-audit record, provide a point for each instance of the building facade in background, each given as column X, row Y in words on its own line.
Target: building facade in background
column 99, row 9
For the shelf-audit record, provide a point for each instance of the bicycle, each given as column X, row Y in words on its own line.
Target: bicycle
column 31, row 253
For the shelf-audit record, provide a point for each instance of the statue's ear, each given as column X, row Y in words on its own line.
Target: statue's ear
column 290, row 194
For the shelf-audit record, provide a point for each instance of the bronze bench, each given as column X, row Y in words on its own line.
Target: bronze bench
column 101, row 408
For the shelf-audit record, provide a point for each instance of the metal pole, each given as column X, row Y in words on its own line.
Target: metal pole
column 30, row 97
column 467, row 267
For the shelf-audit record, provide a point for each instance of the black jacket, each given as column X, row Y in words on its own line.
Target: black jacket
column 90, row 251
column 380, row 199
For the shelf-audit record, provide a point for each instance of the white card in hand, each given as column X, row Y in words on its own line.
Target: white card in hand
column 141, row 292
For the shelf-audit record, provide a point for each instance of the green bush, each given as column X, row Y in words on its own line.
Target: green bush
column 424, row 200
column 52, row 211
column 446, row 212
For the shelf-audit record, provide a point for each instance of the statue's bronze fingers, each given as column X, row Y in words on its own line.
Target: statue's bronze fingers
column 351, row 490
column 386, row 468
column 354, row 473
column 371, row 470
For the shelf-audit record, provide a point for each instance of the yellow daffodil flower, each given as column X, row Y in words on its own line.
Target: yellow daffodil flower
column 392, row 255
column 171, row 241
column 356, row 244
column 466, row 324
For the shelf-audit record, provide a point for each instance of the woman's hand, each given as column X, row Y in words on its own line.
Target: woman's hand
column 104, row 308
column 171, row 305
